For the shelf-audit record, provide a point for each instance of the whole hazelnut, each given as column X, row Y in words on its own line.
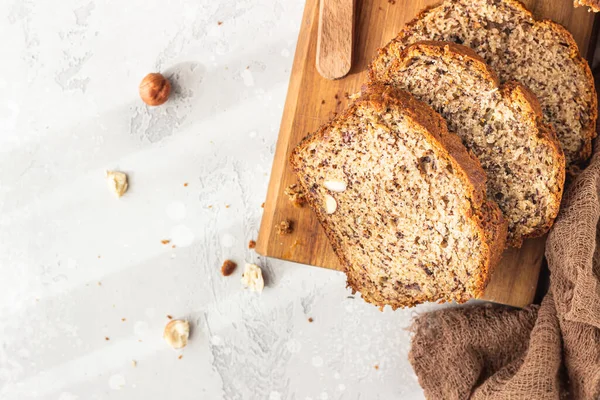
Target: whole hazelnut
column 155, row 89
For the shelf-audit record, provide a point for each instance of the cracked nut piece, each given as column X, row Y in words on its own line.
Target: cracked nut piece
column 335, row 185
column 252, row 278
column 177, row 333
column 155, row 89
column 330, row 204
column 117, row 182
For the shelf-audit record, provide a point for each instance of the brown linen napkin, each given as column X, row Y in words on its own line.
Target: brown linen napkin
column 546, row 352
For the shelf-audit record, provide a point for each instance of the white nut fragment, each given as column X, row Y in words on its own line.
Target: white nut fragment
column 117, row 182
column 252, row 278
column 330, row 204
column 335, row 185
column 177, row 333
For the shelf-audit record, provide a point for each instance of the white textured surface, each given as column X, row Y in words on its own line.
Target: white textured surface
column 74, row 260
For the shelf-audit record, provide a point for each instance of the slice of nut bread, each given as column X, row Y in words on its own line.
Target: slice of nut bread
column 542, row 55
column 402, row 201
column 501, row 125
column 594, row 5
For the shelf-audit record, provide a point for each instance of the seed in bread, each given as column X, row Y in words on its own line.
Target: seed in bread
column 501, row 124
column 412, row 223
column 542, row 55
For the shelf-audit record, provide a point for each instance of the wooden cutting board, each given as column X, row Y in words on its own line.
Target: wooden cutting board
column 313, row 100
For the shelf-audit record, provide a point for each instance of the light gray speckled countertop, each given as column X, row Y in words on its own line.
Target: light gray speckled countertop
column 75, row 261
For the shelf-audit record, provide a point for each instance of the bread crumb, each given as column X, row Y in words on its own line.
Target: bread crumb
column 180, row 357
column 251, row 244
column 106, row 338
column 252, row 278
column 227, row 205
column 165, row 241
column 117, row 182
column 133, row 363
column 296, row 195
column 169, row 316
column 185, row 184
column 228, row 267
column 99, row 283
column 123, row 319
column 376, row 366
column 262, row 205
column 219, row 23
column 310, row 319
column 173, row 246
column 285, row 227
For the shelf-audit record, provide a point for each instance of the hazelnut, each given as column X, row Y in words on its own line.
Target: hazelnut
column 155, row 89
column 176, row 333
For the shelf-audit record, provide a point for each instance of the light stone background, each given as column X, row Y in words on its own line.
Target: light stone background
column 75, row 261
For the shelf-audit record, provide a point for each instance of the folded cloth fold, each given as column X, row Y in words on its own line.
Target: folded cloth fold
column 537, row 353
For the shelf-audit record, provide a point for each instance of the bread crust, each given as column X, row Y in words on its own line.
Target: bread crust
column 588, row 132
column 594, row 5
column 522, row 96
column 523, row 103
column 490, row 222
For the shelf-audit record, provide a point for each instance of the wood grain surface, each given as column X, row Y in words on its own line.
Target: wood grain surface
column 334, row 38
column 313, row 100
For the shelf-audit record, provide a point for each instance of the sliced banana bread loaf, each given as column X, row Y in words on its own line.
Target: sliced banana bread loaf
column 402, row 201
column 594, row 5
column 540, row 54
column 501, row 125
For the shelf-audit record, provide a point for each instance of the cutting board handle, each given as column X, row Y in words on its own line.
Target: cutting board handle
column 334, row 39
